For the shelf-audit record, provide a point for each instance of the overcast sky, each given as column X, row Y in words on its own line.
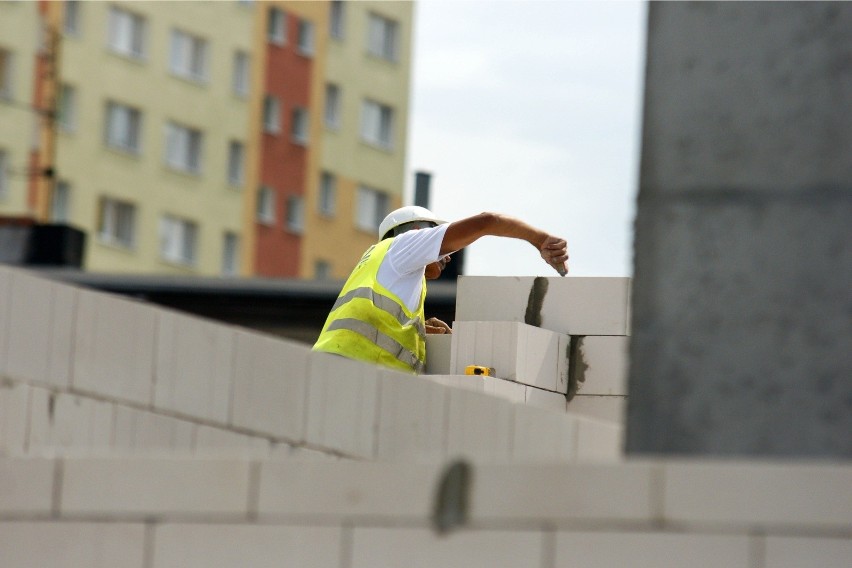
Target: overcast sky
column 532, row 108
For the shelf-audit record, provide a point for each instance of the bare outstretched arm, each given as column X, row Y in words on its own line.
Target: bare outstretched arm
column 553, row 249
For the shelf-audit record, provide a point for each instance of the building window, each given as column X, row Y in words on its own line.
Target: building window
column 300, row 126
column 236, row 161
column 266, row 206
column 72, row 17
column 327, row 195
column 295, row 214
column 271, row 115
column 126, row 33
column 377, row 124
column 241, row 73
column 183, row 148
column 332, row 106
column 123, row 128
column 6, row 74
column 382, row 37
column 178, row 240
column 336, row 19
column 117, row 222
column 66, row 108
column 60, row 202
column 276, row 31
column 305, row 40
column 188, row 56
column 370, row 209
column 231, row 254
column 322, row 270
column 4, row 174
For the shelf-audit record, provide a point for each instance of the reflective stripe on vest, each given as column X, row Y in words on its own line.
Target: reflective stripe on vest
column 385, row 304
column 381, row 340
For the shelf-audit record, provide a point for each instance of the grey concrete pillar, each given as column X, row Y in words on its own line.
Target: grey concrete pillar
column 742, row 321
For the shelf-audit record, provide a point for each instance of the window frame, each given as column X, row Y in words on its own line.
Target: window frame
column 110, row 211
column 60, row 202
column 331, row 110
column 265, row 207
column 183, row 249
column 138, row 30
column 241, row 79
column 230, row 254
column 276, row 26
column 271, row 109
column 294, row 216
column 300, row 126
column 129, row 140
column 381, row 118
column 337, row 20
column 236, row 161
column 305, row 37
column 327, row 195
column 66, row 108
column 189, row 56
column 7, row 74
column 383, row 35
column 181, row 141
column 378, row 201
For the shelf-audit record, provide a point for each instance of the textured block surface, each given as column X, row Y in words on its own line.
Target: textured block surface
column 114, row 347
column 601, row 364
column 516, row 351
column 195, row 365
column 26, row 485
column 422, row 548
column 479, row 426
column 154, row 487
column 346, row 489
column 72, row 545
column 651, row 550
column 238, row 546
column 573, row 305
column 270, row 385
column 412, row 417
column 342, row 405
column 759, row 493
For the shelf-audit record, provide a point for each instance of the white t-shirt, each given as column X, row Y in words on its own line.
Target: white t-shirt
column 402, row 268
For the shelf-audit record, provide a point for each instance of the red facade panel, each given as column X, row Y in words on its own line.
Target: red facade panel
column 283, row 160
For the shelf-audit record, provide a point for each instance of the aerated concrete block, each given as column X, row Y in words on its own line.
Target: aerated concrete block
column 342, row 408
column 114, row 347
column 195, row 364
column 516, row 351
column 600, row 365
column 269, row 385
column 38, row 324
column 571, row 305
column 438, row 354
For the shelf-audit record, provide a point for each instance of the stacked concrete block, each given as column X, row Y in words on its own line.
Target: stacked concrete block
column 342, row 405
column 516, row 351
column 114, row 348
column 194, row 365
column 590, row 316
column 164, row 511
column 269, row 385
column 412, row 421
column 573, row 305
column 28, row 307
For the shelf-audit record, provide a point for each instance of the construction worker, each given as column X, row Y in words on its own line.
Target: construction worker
column 378, row 316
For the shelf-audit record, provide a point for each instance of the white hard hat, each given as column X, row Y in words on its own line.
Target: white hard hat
column 407, row 214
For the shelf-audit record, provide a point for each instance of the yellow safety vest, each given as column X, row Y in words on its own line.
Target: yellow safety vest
column 370, row 323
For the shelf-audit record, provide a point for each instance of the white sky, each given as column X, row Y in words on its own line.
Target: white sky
column 532, row 108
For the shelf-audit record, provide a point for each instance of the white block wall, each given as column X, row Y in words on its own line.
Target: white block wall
column 121, row 375
column 85, row 512
column 571, row 305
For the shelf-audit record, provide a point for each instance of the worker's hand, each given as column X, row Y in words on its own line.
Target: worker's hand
column 554, row 251
column 436, row 326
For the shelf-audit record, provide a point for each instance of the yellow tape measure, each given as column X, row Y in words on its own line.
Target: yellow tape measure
column 479, row 370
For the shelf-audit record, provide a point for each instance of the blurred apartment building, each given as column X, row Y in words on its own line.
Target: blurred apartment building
column 263, row 138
